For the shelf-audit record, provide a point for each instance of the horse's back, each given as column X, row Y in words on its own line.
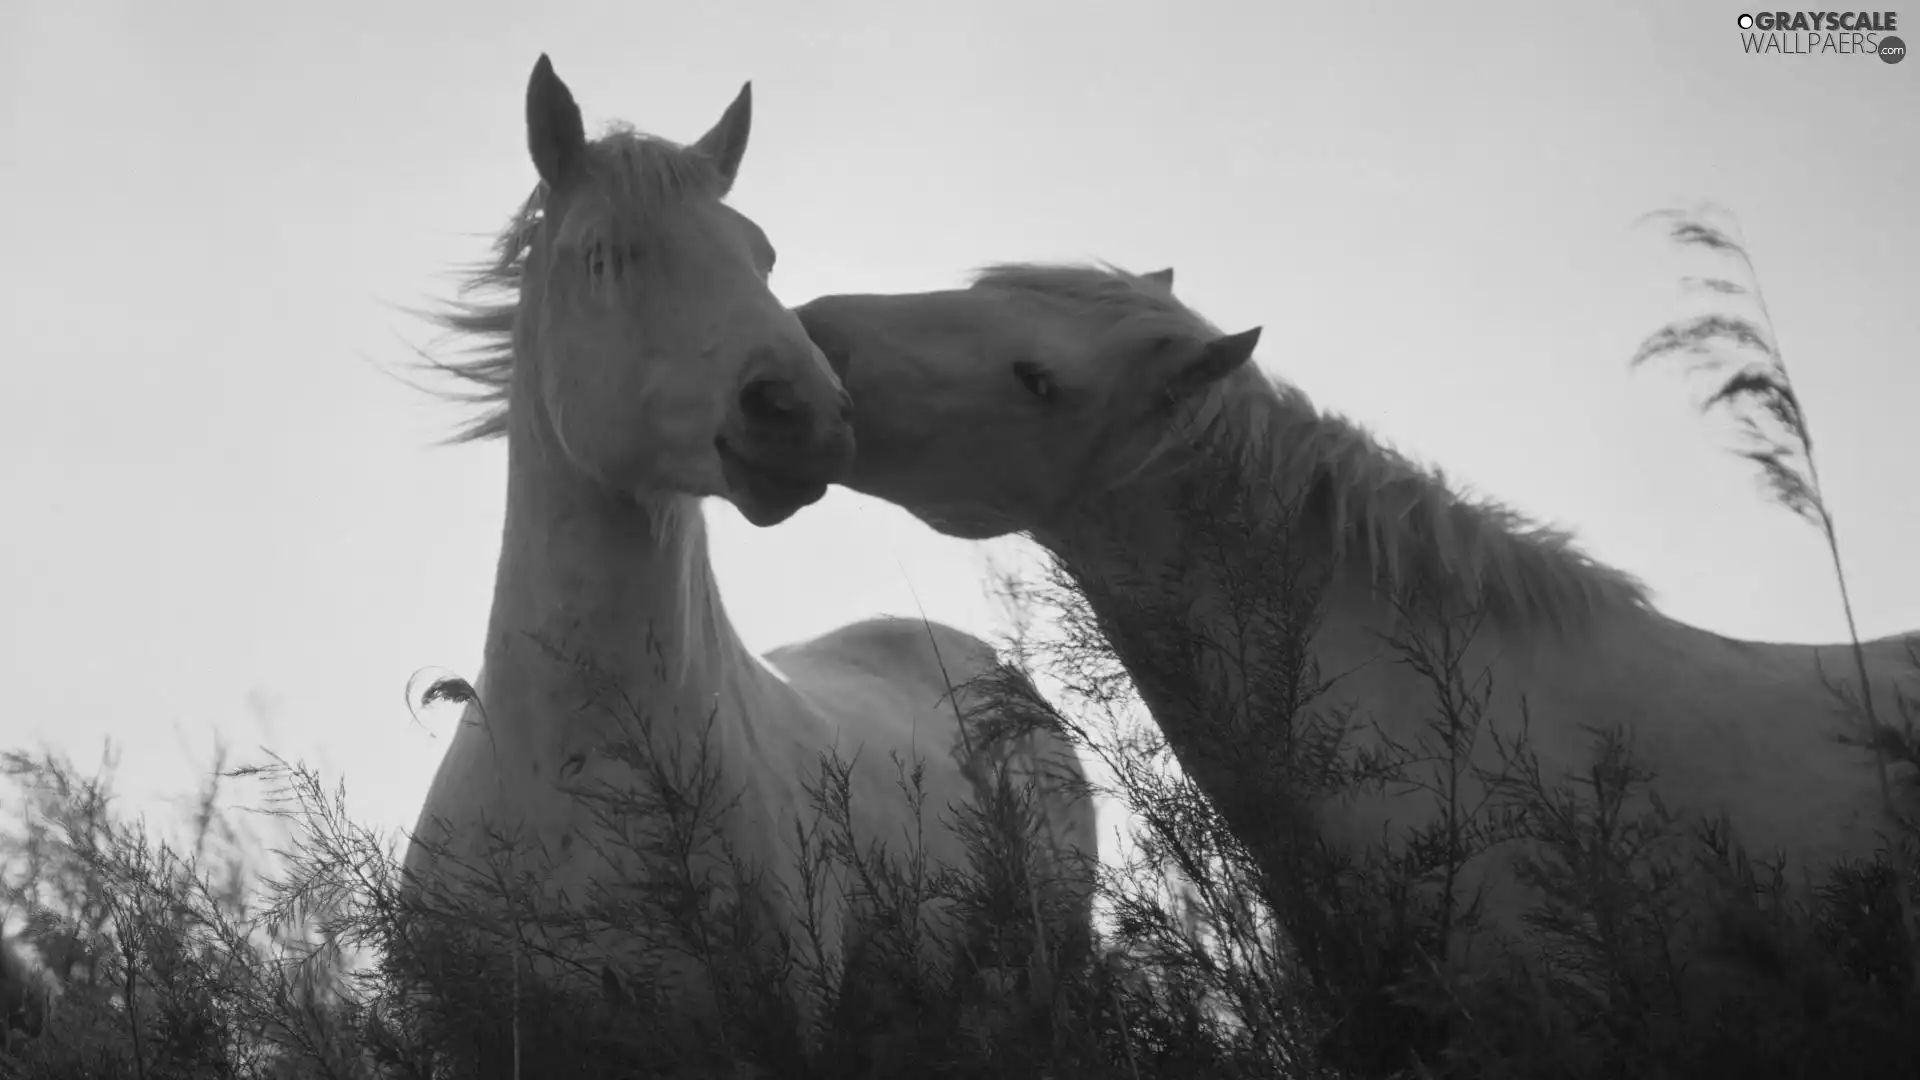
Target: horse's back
column 936, row 675
column 881, row 687
column 911, row 672
column 913, row 650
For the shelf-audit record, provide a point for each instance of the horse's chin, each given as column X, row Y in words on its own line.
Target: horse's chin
column 965, row 525
column 765, row 496
column 766, row 509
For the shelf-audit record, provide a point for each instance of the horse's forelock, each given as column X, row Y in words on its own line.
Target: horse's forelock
column 638, row 175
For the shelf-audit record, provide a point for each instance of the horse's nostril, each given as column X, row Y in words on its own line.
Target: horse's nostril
column 769, row 401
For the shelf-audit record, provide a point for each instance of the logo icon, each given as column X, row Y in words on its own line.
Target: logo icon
column 1892, row 50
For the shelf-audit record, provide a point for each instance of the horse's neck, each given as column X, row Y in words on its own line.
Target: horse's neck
column 1204, row 580
column 1165, row 567
column 602, row 609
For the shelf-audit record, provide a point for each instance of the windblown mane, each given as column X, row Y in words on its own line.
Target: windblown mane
column 1388, row 517
column 637, row 174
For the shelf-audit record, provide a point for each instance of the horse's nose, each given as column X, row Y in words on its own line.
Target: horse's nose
column 772, row 405
column 789, row 397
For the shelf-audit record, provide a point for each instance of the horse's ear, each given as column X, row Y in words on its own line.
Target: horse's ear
column 726, row 144
column 1162, row 278
column 1220, row 358
column 555, row 135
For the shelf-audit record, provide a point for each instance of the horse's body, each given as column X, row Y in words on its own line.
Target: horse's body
column 1092, row 410
column 640, row 364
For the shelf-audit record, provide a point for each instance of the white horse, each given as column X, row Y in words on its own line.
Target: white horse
column 639, row 364
column 1091, row 409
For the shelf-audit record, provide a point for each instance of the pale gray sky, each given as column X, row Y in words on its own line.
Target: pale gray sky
column 213, row 496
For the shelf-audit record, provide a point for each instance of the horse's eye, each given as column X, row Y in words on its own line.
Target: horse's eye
column 600, row 259
column 1035, row 379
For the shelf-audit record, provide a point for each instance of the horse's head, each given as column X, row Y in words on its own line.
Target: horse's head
column 993, row 409
column 654, row 356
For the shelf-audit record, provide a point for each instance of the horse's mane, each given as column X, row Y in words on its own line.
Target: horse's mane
column 1386, row 516
column 637, row 174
